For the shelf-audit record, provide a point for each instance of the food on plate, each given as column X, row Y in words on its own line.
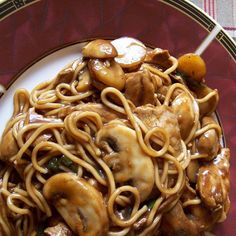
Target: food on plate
column 123, row 141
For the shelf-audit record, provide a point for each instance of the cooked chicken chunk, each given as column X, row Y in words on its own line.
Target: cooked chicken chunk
column 106, row 113
column 176, row 223
column 139, row 88
column 160, row 57
column 213, row 182
column 34, row 118
column 163, row 117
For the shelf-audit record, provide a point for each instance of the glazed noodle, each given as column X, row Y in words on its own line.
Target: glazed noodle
column 124, row 141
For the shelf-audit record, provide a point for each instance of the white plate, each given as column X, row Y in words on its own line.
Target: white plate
column 43, row 70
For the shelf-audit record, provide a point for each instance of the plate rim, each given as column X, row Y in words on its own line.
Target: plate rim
column 9, row 7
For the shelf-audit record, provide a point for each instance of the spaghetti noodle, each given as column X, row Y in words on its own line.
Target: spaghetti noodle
column 111, row 146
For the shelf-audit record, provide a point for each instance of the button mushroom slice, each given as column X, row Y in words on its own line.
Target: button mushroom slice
column 163, row 117
column 107, row 72
column 183, row 107
column 99, row 48
column 131, row 52
column 192, row 170
column 85, row 81
column 207, row 98
column 139, row 88
column 208, row 142
column 80, row 204
column 8, row 146
column 213, row 182
column 126, row 159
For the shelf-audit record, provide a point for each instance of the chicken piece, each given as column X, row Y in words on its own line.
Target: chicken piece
column 139, row 88
column 59, row 229
column 160, row 57
column 208, row 142
column 163, row 117
column 34, row 118
column 176, row 223
column 65, row 111
column 106, row 113
column 204, row 218
column 213, row 182
column 66, row 75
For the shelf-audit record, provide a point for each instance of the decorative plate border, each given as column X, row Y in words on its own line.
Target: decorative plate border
column 206, row 21
column 8, row 7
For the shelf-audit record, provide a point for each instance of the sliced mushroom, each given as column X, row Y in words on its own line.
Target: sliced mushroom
column 80, row 204
column 139, row 88
column 213, row 182
column 99, row 48
column 208, row 142
column 85, row 81
column 131, row 52
column 126, row 159
column 8, row 146
column 183, row 107
column 192, row 171
column 206, row 107
column 109, row 73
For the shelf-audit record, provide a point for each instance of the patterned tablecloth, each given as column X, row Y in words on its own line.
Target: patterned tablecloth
column 223, row 11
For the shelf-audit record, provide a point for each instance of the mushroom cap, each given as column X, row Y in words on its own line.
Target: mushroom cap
column 79, row 203
column 184, row 109
column 99, row 48
column 109, row 73
column 127, row 161
column 131, row 52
